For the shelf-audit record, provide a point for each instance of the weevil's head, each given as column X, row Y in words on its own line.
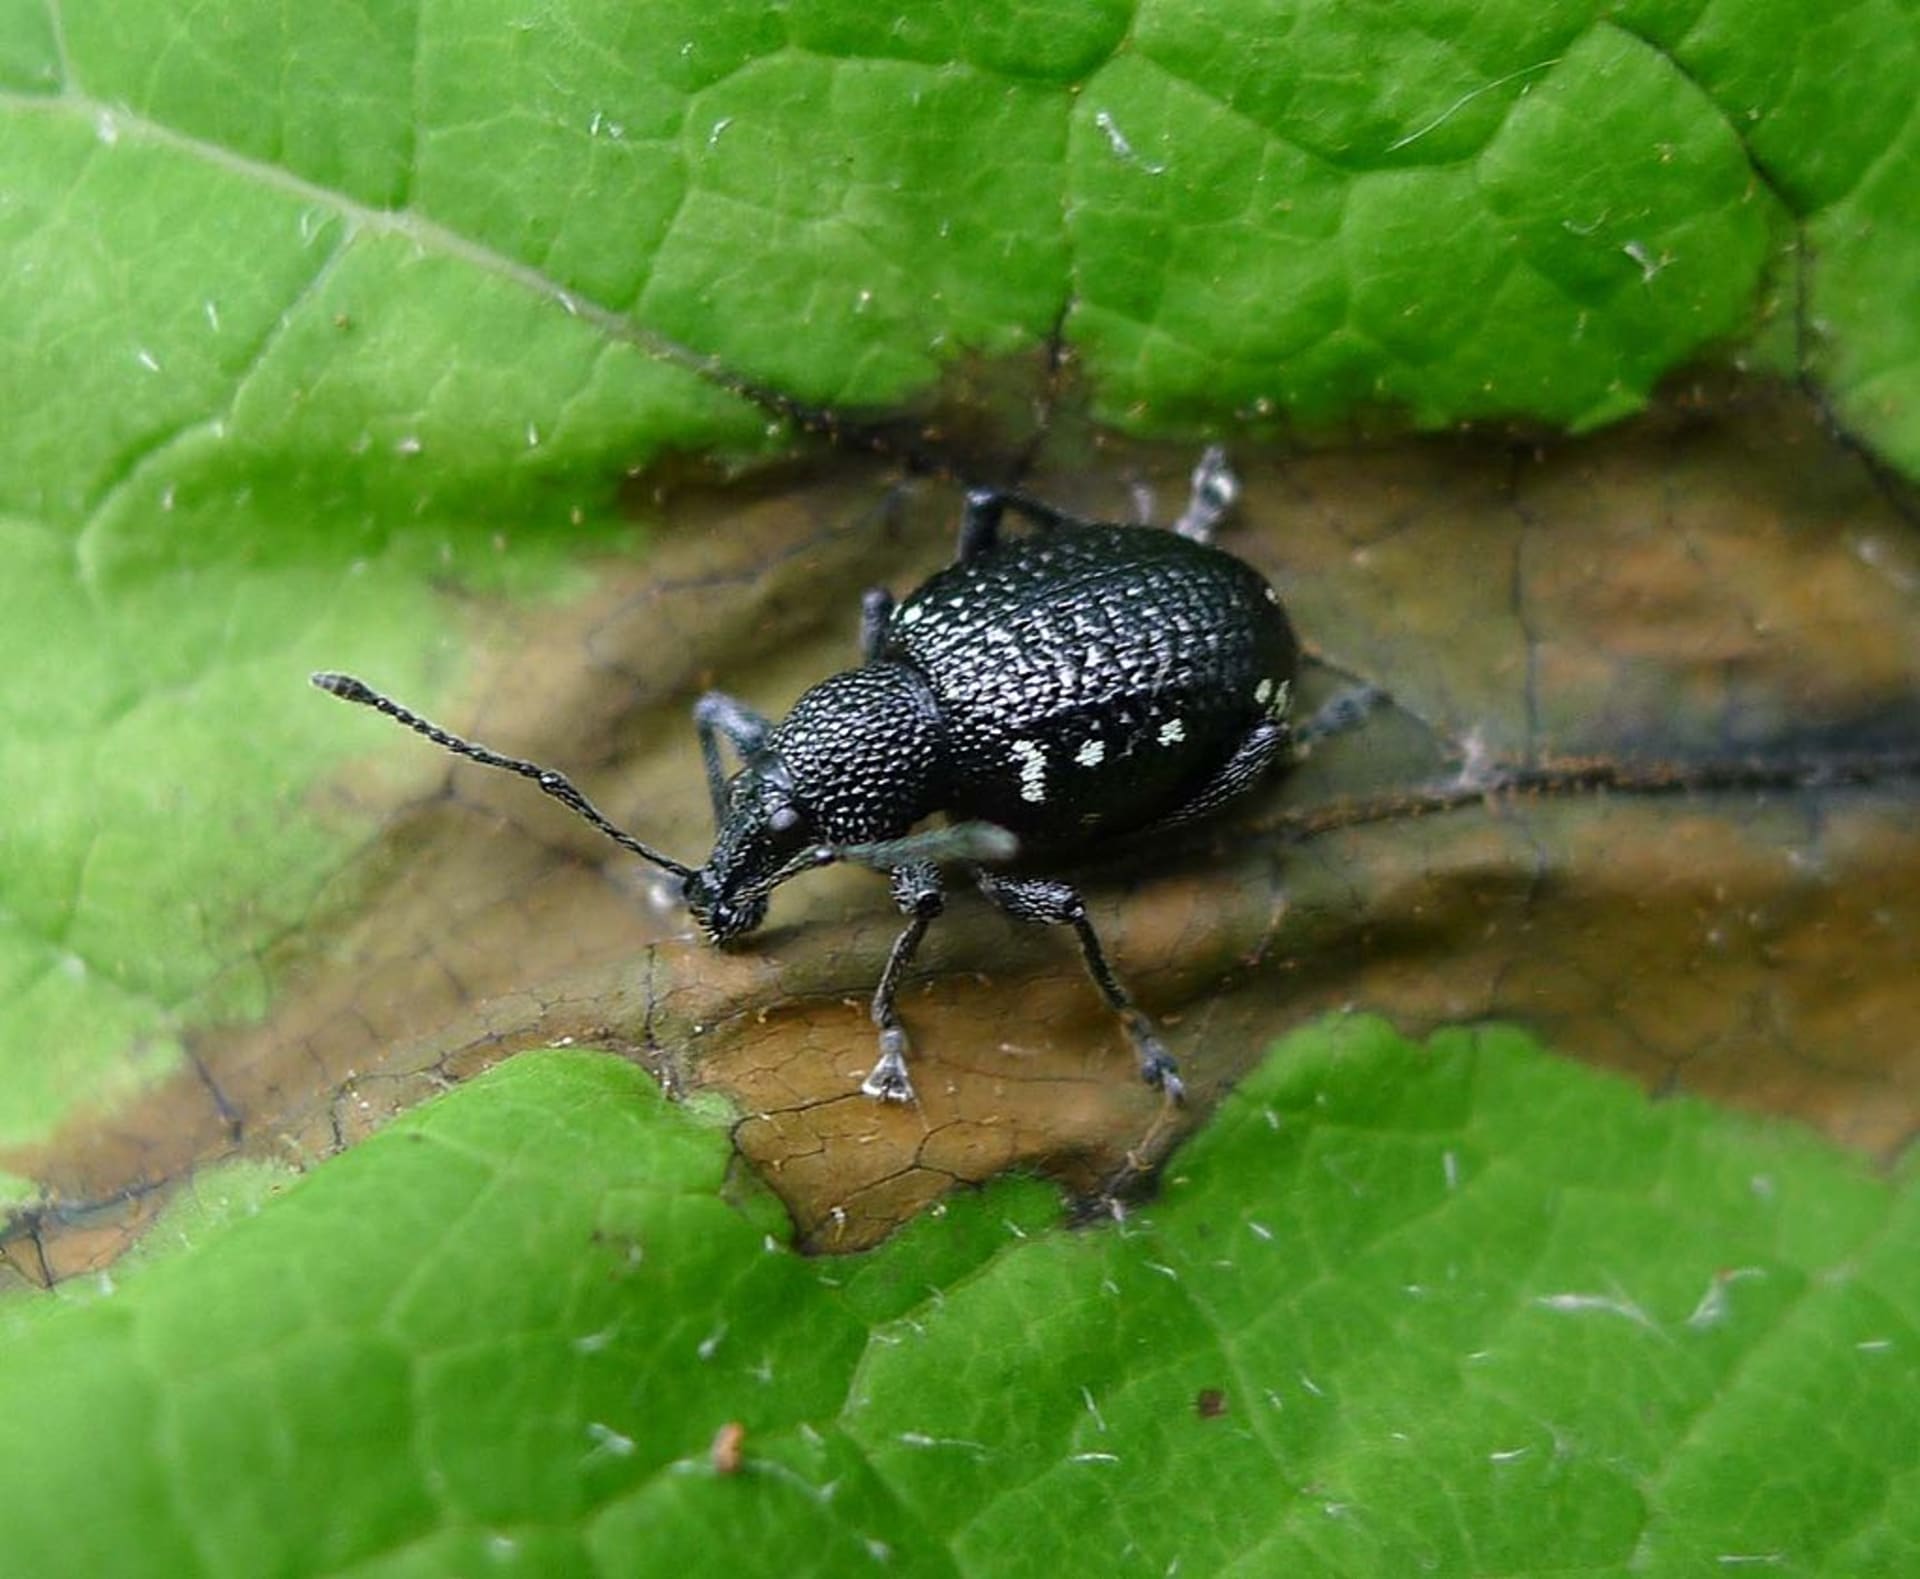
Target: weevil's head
column 760, row 838
column 856, row 760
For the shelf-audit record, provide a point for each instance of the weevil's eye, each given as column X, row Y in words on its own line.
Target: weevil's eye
column 784, row 818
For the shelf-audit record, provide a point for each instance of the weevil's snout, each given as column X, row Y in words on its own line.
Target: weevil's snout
column 718, row 915
column 759, row 838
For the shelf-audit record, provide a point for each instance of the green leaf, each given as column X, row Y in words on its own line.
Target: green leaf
column 1508, row 218
column 1821, row 102
column 1386, row 1318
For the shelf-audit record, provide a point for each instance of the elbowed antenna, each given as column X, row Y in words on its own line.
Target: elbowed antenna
column 558, row 785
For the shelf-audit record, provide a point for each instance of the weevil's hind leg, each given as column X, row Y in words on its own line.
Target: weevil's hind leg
column 718, row 717
column 1056, row 904
column 1214, row 491
column 1346, row 709
column 876, row 608
column 1263, row 746
column 986, row 508
column 917, row 891
column 980, row 523
column 1142, row 499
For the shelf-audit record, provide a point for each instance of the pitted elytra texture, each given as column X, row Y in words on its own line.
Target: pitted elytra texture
column 1095, row 668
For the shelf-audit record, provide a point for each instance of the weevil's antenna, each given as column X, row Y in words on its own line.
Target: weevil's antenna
column 558, row 785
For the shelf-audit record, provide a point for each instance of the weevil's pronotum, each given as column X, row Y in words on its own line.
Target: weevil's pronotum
column 1052, row 692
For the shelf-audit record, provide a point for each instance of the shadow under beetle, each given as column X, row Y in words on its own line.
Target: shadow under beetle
column 1057, row 691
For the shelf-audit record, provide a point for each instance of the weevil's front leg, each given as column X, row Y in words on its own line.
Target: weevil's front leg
column 1059, row 904
column 917, row 891
column 718, row 717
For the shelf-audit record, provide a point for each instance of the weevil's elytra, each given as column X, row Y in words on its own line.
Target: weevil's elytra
column 1046, row 693
column 1103, row 671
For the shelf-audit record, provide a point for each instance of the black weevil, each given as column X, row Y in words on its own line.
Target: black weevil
column 1058, row 691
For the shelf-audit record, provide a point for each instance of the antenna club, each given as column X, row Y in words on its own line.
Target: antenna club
column 344, row 686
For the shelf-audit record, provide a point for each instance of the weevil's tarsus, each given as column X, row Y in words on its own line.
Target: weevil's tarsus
column 888, row 1081
column 1213, row 492
column 1348, row 708
column 558, row 785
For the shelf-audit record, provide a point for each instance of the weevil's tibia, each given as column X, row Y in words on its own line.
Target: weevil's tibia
column 918, row 895
column 558, row 785
column 876, row 608
column 987, row 507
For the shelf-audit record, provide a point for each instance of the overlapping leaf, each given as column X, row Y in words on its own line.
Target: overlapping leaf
column 1458, row 1308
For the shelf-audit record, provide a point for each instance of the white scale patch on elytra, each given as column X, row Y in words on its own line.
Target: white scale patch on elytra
column 910, row 615
column 1267, row 692
column 1091, row 753
column 1172, row 732
column 1033, row 770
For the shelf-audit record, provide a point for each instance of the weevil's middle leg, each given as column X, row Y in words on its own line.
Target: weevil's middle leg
column 1212, row 493
column 876, row 608
column 1059, row 904
column 986, row 508
column 718, row 717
